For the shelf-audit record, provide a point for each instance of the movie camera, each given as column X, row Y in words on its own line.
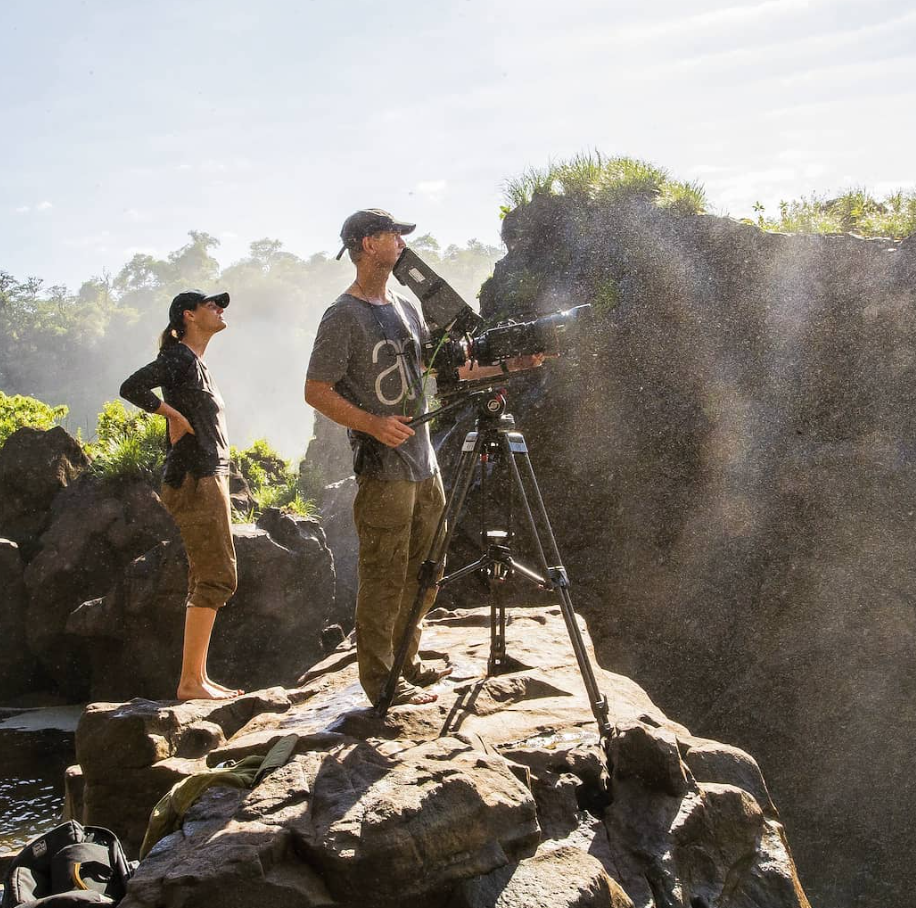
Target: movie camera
column 455, row 328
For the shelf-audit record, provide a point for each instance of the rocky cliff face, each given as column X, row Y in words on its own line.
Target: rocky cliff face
column 728, row 460
column 93, row 580
column 496, row 795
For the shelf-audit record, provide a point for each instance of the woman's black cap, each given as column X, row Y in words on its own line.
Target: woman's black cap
column 191, row 299
column 368, row 222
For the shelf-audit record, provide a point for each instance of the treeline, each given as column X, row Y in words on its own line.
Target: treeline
column 75, row 349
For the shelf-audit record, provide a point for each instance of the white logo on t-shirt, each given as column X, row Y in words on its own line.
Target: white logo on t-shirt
column 399, row 349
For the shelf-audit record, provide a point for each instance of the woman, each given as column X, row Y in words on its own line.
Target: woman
column 195, row 486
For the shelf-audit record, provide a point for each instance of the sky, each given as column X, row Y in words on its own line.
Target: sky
column 129, row 123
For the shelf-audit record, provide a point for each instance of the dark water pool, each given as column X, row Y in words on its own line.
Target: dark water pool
column 35, row 749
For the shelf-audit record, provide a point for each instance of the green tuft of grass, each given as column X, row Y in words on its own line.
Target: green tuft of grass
column 128, row 444
column 856, row 211
column 592, row 177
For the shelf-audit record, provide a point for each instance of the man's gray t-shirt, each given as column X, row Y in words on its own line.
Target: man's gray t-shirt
column 371, row 354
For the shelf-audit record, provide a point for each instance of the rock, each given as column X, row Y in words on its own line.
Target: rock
column 266, row 634
column 563, row 878
column 480, row 798
column 216, row 861
column 97, row 528
column 650, row 755
column 329, row 453
column 131, row 754
column 34, row 466
column 739, row 533
column 712, row 761
column 20, row 671
column 240, row 496
column 336, row 507
column 421, row 822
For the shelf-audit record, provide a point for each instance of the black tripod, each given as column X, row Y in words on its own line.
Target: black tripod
column 495, row 438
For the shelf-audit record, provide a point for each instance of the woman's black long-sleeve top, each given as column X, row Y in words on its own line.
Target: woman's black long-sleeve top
column 187, row 386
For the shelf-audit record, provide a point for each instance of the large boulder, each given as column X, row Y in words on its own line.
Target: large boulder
column 20, row 672
column 336, row 508
column 726, row 455
column 35, row 464
column 329, row 457
column 498, row 794
column 131, row 754
column 96, row 529
column 268, row 633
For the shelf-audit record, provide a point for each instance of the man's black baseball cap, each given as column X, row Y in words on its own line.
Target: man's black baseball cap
column 191, row 299
column 367, row 222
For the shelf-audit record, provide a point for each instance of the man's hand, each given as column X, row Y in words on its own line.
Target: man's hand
column 391, row 430
column 526, row 361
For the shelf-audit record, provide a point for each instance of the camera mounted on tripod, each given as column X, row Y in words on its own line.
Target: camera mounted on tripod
column 456, row 329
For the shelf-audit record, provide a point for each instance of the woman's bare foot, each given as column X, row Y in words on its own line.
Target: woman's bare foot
column 193, row 690
column 234, row 691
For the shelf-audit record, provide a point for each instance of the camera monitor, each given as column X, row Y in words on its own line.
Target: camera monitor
column 443, row 308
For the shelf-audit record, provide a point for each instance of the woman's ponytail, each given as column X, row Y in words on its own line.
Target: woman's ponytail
column 170, row 337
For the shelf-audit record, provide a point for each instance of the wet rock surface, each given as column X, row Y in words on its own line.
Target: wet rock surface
column 727, row 457
column 497, row 794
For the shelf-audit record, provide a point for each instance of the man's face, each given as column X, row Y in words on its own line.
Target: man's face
column 386, row 247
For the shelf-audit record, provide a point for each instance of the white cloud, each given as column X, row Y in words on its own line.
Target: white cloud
column 229, row 235
column 44, row 206
column 23, row 209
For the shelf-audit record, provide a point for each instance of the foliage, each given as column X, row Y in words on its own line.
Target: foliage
column 856, row 211
column 17, row 411
column 593, row 177
column 129, row 443
column 77, row 348
column 272, row 480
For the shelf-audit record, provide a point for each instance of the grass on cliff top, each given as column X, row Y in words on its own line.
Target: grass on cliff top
column 593, row 177
column 856, row 211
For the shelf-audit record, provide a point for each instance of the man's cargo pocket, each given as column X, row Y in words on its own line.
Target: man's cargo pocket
column 384, row 504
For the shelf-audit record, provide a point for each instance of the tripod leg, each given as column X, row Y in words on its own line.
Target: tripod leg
column 515, row 447
column 432, row 566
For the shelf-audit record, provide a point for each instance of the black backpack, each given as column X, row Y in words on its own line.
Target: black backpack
column 72, row 865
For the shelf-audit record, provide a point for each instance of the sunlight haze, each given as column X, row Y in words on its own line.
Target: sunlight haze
column 129, row 124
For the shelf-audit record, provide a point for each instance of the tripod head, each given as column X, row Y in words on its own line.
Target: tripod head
column 489, row 402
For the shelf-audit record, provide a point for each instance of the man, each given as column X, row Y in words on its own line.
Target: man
column 195, row 487
column 366, row 373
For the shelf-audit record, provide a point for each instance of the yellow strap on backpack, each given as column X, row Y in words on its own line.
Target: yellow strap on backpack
column 77, row 879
